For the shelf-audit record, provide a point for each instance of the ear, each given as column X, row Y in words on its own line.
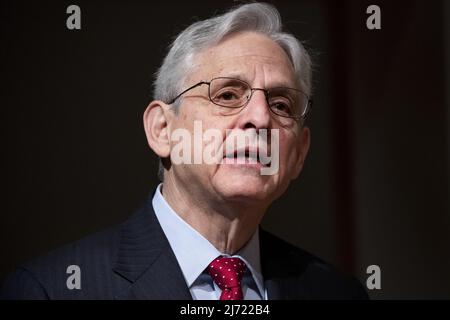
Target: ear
column 156, row 120
column 304, row 141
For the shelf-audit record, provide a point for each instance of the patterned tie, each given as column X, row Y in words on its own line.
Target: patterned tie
column 227, row 273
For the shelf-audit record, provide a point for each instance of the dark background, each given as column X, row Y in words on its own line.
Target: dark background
column 375, row 188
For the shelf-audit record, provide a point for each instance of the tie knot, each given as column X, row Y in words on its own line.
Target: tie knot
column 227, row 272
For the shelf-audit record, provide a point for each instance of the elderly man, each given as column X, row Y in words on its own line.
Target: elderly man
column 198, row 236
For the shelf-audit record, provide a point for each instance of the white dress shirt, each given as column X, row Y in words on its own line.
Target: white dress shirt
column 194, row 253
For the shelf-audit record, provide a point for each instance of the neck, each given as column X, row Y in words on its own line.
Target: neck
column 227, row 225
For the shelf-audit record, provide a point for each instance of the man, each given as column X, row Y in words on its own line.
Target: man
column 230, row 77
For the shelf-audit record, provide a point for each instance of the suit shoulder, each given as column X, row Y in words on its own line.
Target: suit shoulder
column 317, row 278
column 45, row 277
column 100, row 245
column 22, row 285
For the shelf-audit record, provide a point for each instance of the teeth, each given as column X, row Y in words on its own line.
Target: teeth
column 246, row 156
column 243, row 157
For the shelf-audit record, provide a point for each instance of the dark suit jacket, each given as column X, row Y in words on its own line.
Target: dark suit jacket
column 135, row 261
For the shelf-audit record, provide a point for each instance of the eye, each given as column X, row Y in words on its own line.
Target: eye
column 227, row 96
column 281, row 108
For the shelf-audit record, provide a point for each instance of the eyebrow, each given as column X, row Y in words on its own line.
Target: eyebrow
column 274, row 85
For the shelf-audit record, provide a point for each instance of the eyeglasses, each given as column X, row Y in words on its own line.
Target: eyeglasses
column 235, row 93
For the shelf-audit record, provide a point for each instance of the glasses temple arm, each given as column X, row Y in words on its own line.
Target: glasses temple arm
column 190, row 88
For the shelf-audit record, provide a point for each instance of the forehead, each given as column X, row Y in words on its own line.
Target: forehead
column 250, row 56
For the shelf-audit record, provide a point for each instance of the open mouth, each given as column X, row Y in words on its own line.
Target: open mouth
column 246, row 157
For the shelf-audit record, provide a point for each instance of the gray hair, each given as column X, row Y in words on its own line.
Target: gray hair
column 254, row 17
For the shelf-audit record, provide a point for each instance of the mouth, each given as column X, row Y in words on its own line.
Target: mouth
column 245, row 157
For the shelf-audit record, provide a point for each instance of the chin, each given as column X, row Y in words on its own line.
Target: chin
column 245, row 189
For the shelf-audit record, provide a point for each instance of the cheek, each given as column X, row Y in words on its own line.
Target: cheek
column 288, row 151
column 206, row 134
column 188, row 118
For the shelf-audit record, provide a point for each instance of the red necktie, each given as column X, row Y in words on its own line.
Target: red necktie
column 227, row 273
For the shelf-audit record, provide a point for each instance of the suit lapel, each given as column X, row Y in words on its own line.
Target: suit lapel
column 148, row 268
column 273, row 289
column 146, row 262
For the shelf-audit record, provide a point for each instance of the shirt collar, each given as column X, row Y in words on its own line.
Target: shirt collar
column 193, row 251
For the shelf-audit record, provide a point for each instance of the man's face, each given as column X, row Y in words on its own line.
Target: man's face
column 260, row 62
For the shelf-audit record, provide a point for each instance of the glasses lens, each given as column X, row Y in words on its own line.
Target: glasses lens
column 228, row 92
column 287, row 102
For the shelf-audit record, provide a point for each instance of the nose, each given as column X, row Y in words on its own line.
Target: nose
column 256, row 114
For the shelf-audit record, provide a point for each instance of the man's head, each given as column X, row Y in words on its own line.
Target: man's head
column 245, row 44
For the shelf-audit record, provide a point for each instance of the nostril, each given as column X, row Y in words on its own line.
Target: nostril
column 249, row 125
